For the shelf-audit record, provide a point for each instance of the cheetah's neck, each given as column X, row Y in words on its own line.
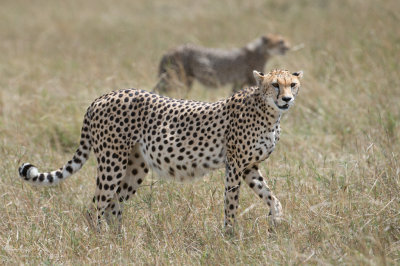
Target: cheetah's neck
column 267, row 112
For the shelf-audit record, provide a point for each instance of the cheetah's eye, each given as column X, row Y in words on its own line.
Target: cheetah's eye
column 293, row 85
column 276, row 85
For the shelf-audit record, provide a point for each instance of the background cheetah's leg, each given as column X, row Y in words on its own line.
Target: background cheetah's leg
column 111, row 170
column 238, row 86
column 232, row 187
column 189, row 81
column 256, row 182
column 173, row 75
column 250, row 79
column 207, row 77
column 162, row 83
column 136, row 172
column 204, row 73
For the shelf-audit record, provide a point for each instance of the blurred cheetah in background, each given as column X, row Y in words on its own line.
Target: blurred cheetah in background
column 133, row 130
column 217, row 67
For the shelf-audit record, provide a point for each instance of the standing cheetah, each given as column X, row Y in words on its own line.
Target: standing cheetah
column 132, row 130
column 217, row 67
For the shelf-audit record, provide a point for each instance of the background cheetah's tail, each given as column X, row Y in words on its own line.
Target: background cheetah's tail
column 31, row 174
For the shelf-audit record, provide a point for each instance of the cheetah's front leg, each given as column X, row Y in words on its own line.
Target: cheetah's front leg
column 254, row 179
column 232, row 187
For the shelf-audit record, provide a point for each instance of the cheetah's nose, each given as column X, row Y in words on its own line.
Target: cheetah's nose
column 287, row 99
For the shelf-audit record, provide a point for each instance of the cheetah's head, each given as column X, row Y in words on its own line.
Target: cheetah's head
column 275, row 44
column 279, row 87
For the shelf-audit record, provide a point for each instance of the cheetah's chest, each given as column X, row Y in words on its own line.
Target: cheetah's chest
column 266, row 144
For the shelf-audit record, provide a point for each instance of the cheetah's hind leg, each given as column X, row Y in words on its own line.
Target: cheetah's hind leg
column 136, row 172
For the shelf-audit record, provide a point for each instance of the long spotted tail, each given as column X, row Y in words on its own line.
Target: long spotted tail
column 31, row 174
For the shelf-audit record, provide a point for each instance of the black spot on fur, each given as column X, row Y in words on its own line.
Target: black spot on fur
column 69, row 169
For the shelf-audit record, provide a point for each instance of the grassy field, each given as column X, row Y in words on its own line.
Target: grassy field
column 336, row 169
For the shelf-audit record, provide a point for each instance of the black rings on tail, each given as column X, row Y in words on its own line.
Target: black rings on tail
column 27, row 171
column 31, row 174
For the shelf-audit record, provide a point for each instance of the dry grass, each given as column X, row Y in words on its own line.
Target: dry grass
column 336, row 169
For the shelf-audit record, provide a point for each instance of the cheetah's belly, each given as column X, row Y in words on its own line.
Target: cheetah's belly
column 183, row 166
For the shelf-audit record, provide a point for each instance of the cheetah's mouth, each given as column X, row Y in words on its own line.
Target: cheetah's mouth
column 283, row 107
column 284, row 50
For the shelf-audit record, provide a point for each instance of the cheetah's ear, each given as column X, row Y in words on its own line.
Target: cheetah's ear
column 258, row 76
column 298, row 74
